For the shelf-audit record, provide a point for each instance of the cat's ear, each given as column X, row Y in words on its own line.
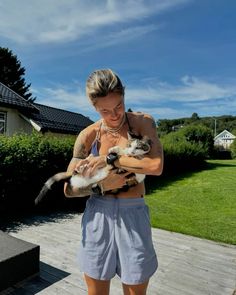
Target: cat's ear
column 129, row 136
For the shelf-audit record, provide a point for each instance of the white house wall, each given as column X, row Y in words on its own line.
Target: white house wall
column 224, row 143
column 15, row 124
column 224, row 139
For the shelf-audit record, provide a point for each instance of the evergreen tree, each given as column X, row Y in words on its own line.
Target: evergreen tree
column 12, row 74
column 195, row 117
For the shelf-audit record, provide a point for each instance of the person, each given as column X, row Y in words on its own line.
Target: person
column 116, row 231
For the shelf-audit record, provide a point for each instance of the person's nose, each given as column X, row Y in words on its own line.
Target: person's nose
column 113, row 113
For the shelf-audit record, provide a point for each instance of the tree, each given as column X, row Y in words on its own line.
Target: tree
column 11, row 74
column 195, row 117
column 200, row 135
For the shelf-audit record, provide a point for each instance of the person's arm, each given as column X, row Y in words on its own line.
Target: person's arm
column 80, row 153
column 152, row 163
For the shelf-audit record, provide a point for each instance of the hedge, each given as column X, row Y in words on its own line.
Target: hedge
column 187, row 148
column 233, row 149
column 26, row 161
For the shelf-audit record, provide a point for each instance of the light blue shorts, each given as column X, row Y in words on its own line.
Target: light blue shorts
column 117, row 239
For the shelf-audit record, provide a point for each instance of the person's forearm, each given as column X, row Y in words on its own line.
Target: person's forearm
column 146, row 165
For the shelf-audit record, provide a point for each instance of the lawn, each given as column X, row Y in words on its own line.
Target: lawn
column 201, row 203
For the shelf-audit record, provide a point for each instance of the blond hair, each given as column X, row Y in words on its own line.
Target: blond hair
column 102, row 82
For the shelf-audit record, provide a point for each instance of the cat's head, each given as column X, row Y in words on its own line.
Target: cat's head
column 138, row 145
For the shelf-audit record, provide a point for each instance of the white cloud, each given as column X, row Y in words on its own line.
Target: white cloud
column 64, row 97
column 118, row 37
column 162, row 101
column 52, row 21
column 189, row 89
column 192, row 94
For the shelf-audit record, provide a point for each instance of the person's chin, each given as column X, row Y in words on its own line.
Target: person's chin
column 115, row 123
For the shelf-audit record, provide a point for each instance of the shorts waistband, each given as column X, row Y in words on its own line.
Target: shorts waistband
column 121, row 202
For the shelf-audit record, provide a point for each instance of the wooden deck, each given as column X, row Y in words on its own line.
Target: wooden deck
column 187, row 265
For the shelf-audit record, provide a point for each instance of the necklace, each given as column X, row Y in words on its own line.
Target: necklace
column 114, row 131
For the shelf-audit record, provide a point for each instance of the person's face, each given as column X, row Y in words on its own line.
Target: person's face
column 111, row 108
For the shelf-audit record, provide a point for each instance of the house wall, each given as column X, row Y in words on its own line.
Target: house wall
column 224, row 140
column 14, row 123
column 224, row 143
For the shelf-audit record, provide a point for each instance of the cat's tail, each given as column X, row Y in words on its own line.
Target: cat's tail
column 62, row 176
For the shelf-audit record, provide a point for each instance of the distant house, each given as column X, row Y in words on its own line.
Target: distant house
column 177, row 127
column 224, row 139
column 19, row 115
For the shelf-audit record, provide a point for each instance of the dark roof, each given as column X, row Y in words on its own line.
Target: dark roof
column 48, row 118
column 10, row 98
column 58, row 120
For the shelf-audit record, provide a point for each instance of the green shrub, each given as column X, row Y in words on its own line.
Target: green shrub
column 26, row 161
column 200, row 135
column 233, row 149
column 219, row 153
column 181, row 154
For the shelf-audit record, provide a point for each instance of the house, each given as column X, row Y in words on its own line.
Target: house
column 224, row 139
column 19, row 115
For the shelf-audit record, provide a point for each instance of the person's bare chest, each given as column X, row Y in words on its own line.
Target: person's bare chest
column 110, row 140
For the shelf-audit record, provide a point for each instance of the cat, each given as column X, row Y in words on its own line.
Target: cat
column 136, row 147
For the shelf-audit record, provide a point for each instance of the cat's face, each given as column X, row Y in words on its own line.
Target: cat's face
column 139, row 146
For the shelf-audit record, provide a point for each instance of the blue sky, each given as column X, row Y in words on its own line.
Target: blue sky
column 175, row 57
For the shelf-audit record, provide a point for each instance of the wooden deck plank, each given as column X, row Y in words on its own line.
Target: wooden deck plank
column 187, row 265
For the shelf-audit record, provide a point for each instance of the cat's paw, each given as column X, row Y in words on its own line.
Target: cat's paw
column 140, row 177
column 115, row 149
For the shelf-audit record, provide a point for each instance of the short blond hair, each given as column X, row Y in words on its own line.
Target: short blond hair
column 102, row 82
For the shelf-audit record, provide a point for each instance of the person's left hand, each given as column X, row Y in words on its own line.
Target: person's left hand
column 90, row 165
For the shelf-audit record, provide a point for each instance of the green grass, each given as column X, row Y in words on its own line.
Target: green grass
column 201, row 204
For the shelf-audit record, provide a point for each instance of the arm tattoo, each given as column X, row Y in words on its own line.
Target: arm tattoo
column 80, row 151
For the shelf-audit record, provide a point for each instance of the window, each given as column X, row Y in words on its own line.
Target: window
column 3, row 118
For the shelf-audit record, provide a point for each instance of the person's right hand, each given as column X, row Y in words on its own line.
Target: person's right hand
column 114, row 180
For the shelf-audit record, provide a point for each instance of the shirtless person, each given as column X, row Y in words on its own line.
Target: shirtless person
column 116, row 232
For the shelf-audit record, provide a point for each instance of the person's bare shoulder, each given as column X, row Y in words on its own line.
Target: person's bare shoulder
column 140, row 120
column 91, row 129
column 85, row 139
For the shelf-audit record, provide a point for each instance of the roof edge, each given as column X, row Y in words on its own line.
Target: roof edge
column 35, row 125
column 31, row 104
